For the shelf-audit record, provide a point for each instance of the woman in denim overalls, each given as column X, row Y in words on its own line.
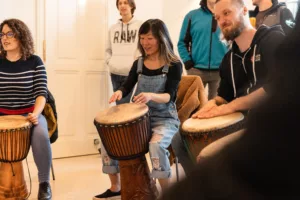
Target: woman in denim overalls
column 157, row 74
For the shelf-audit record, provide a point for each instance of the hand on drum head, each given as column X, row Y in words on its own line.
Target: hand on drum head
column 33, row 118
column 207, row 107
column 214, row 111
column 143, row 97
column 116, row 96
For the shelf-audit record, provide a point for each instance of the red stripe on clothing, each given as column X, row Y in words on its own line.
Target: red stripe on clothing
column 17, row 112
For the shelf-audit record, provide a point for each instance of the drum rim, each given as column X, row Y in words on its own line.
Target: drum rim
column 213, row 129
column 16, row 129
column 240, row 125
column 26, row 125
column 125, row 123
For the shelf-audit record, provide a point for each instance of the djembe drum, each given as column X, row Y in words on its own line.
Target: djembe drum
column 125, row 133
column 15, row 132
column 216, row 147
column 198, row 133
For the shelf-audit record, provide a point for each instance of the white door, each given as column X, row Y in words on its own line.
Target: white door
column 75, row 32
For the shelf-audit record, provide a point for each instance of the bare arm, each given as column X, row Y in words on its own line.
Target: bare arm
column 38, row 109
column 145, row 97
column 247, row 102
column 239, row 104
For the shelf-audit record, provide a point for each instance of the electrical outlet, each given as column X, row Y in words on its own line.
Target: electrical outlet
column 96, row 141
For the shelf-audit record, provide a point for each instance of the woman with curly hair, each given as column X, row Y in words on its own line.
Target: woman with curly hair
column 23, row 91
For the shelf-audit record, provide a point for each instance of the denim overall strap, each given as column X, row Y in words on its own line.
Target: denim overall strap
column 140, row 65
column 165, row 70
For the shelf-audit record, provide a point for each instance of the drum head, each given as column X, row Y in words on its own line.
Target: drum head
column 121, row 113
column 215, row 123
column 9, row 122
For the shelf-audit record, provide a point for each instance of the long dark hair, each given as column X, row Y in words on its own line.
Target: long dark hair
column 160, row 32
column 23, row 34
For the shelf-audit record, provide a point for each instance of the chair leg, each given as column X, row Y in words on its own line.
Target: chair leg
column 52, row 170
column 177, row 171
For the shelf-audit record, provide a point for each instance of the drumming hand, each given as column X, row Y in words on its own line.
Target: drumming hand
column 216, row 111
column 143, row 97
column 116, row 96
column 33, row 118
column 207, row 107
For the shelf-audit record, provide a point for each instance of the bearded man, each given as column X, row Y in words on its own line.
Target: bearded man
column 245, row 70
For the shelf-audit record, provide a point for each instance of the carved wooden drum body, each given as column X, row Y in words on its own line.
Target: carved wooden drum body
column 125, row 133
column 15, row 133
column 198, row 133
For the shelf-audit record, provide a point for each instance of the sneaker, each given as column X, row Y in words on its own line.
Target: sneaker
column 108, row 194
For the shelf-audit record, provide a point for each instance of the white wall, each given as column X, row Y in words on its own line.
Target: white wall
column 144, row 10
column 16, row 9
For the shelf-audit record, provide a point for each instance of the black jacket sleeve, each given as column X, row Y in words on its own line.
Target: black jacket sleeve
column 131, row 80
column 287, row 21
column 268, row 49
column 174, row 77
column 225, row 89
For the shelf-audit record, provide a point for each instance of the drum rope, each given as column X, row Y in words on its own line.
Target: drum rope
column 12, row 169
column 29, row 180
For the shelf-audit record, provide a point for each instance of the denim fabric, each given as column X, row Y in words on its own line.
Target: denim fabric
column 164, row 124
column 110, row 166
column 117, row 82
column 41, row 149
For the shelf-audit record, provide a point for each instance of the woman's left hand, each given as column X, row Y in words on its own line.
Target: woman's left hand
column 143, row 97
column 33, row 118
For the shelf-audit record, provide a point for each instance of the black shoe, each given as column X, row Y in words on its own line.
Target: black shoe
column 108, row 194
column 44, row 191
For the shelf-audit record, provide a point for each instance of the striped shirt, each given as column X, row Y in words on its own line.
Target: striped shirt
column 21, row 82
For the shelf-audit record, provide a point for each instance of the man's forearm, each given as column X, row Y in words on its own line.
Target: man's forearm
column 249, row 101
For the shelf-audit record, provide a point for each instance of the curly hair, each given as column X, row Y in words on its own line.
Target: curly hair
column 23, row 34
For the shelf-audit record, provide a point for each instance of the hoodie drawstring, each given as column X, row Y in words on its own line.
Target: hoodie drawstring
column 253, row 66
column 232, row 75
column 253, row 69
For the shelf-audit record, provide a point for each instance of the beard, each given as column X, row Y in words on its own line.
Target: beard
column 231, row 33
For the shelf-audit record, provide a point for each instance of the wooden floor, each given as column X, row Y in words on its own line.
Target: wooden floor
column 78, row 178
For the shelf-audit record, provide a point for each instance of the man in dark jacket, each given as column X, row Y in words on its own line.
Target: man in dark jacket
column 245, row 68
column 264, row 162
column 270, row 12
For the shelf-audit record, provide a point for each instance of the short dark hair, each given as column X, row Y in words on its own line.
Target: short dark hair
column 23, row 34
column 131, row 3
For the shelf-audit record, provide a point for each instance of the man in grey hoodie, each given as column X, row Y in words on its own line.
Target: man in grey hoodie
column 270, row 12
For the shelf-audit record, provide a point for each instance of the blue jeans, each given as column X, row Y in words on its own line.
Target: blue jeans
column 117, row 82
column 41, row 149
column 182, row 154
column 162, row 134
